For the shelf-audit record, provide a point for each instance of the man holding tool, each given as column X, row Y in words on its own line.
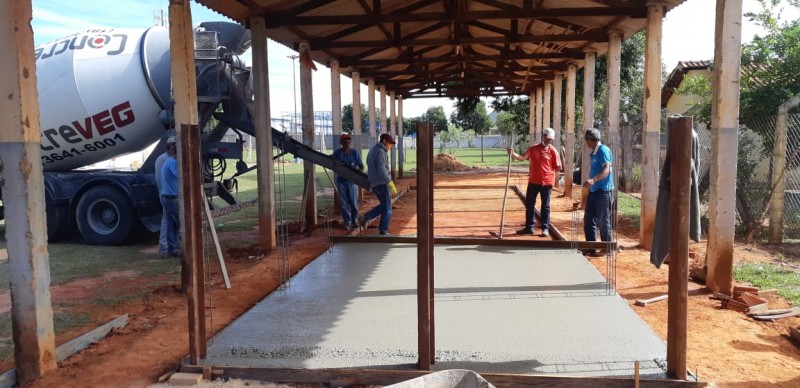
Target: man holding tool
column 348, row 191
column 544, row 164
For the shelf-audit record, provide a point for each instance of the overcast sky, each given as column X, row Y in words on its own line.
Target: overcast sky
column 688, row 35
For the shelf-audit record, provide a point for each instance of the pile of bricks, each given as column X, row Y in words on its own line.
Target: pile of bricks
column 745, row 299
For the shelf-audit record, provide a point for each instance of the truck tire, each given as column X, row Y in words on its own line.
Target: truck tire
column 105, row 216
column 59, row 222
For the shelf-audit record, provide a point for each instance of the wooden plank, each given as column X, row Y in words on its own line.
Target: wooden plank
column 405, row 60
column 387, row 377
column 24, row 197
column 221, row 259
column 425, row 244
column 591, row 36
column 521, row 243
column 724, row 142
column 652, row 123
column 795, row 312
column 569, row 147
column 588, row 113
column 645, row 302
column 680, row 151
column 63, row 351
column 401, row 134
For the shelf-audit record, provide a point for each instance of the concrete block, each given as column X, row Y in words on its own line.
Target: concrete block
column 186, row 379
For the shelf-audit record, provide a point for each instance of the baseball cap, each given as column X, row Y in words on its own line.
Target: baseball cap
column 549, row 133
column 172, row 140
column 387, row 137
column 344, row 136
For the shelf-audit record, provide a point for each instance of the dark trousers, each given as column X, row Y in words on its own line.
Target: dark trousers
column 597, row 215
column 384, row 210
column 530, row 204
column 170, row 208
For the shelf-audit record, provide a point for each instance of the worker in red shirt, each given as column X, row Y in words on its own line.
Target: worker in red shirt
column 544, row 164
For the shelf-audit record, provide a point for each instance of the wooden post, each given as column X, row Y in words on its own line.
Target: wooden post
column 401, row 149
column 539, row 109
column 371, row 107
column 569, row 163
column 382, row 90
column 267, row 239
column 357, row 109
column 336, row 103
column 393, row 131
column 24, row 199
column 680, row 150
column 557, row 96
column 192, row 224
column 425, row 321
column 613, row 62
column 652, row 122
column 184, row 90
column 531, row 119
column 588, row 111
column 627, row 156
column 724, row 143
column 307, row 117
column 548, row 95
column 778, row 174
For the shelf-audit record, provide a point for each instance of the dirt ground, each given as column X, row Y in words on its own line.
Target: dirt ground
column 725, row 347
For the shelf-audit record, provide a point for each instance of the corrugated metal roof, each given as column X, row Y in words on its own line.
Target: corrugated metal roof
column 446, row 47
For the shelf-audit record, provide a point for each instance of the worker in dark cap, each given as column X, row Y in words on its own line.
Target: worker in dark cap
column 597, row 214
column 348, row 191
column 159, row 165
column 380, row 182
column 168, row 188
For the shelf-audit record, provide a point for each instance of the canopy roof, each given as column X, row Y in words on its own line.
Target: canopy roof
column 452, row 48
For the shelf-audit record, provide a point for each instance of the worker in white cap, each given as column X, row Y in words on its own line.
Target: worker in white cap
column 544, row 166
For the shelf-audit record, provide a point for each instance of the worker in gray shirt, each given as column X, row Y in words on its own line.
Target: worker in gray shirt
column 162, row 237
column 379, row 179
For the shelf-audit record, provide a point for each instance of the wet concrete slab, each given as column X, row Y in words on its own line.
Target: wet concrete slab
column 498, row 309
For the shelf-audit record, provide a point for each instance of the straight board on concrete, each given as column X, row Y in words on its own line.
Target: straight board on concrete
column 499, row 310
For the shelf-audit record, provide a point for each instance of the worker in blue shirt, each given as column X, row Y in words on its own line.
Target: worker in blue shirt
column 168, row 187
column 348, row 191
column 597, row 214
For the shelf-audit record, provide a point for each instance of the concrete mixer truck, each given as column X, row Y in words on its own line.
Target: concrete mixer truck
column 104, row 93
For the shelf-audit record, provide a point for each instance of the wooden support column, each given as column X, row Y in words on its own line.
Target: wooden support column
column 383, row 128
column 357, row 109
column 613, row 62
column 336, row 103
column 558, row 85
column 531, row 119
column 724, row 143
column 680, row 150
column 652, row 122
column 267, row 240
column 778, row 173
column 184, row 90
column 425, row 317
column 393, row 131
column 569, row 148
column 371, row 106
column 401, row 149
column 307, row 117
column 588, row 111
column 548, row 96
column 539, row 109
column 24, row 198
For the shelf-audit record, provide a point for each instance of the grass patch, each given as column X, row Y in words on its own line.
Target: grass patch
column 764, row 275
column 62, row 322
column 629, row 208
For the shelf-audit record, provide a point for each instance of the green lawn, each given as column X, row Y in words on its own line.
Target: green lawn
column 629, row 208
column 767, row 275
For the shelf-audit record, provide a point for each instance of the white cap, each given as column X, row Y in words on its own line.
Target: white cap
column 549, row 133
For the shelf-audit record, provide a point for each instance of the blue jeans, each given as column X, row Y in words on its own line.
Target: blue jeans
column 169, row 205
column 162, row 235
column 530, row 203
column 384, row 209
column 598, row 215
column 348, row 199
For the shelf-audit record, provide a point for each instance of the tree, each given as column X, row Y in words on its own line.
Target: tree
column 435, row 115
column 410, row 125
column 347, row 118
column 471, row 117
column 518, row 119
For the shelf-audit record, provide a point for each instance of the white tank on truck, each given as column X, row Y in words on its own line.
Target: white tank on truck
column 100, row 94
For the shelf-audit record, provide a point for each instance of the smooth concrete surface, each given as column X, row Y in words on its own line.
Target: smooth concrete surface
column 498, row 309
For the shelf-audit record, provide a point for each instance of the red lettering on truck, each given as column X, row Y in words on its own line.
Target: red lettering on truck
column 104, row 122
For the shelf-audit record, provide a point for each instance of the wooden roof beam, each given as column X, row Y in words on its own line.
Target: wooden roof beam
column 280, row 19
column 594, row 36
column 351, row 61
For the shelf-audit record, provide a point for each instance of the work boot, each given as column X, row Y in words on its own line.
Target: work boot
column 526, row 231
column 361, row 222
column 545, row 233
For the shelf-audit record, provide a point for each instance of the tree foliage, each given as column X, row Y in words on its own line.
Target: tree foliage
column 347, row 118
column 472, row 117
column 435, row 115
